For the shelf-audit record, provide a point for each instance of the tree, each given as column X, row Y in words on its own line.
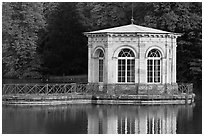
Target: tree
column 64, row 48
column 21, row 24
column 185, row 18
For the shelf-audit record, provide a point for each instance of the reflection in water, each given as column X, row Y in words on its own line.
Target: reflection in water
column 97, row 119
column 135, row 119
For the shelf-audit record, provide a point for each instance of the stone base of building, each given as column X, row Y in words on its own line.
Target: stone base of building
column 133, row 89
column 73, row 98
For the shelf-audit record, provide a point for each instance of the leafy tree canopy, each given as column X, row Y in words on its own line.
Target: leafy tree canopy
column 21, row 23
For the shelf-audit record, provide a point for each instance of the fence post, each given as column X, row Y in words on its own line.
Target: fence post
column 16, row 89
column 46, row 89
column 75, row 87
column 64, row 88
column 188, row 88
column 3, row 91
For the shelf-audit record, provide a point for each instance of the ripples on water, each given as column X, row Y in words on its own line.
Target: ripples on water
column 96, row 119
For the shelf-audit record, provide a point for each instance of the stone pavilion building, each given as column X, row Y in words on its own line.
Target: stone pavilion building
column 132, row 59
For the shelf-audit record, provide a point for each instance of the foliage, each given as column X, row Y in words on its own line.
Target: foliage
column 21, row 23
column 64, row 48
column 184, row 18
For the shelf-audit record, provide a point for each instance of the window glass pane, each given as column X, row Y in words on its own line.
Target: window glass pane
column 149, row 70
column 132, row 71
column 153, row 66
column 126, row 66
column 155, row 79
column 126, row 70
column 126, row 53
column 101, row 55
column 128, row 77
column 154, row 53
column 100, row 70
column 156, row 71
column 123, row 78
column 159, row 79
column 121, row 70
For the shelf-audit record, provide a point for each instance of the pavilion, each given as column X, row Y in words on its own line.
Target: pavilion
column 132, row 59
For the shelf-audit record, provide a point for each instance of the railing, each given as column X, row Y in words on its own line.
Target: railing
column 46, row 88
column 185, row 88
column 70, row 88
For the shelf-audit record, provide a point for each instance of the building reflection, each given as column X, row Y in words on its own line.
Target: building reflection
column 134, row 120
column 96, row 119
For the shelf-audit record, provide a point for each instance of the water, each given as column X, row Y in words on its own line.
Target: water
column 112, row 119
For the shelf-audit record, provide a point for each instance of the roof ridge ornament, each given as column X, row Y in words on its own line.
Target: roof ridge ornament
column 132, row 19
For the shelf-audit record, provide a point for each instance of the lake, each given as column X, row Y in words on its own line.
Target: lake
column 102, row 119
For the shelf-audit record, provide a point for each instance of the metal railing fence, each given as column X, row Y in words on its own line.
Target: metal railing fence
column 68, row 88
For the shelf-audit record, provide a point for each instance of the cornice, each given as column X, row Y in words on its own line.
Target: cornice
column 149, row 35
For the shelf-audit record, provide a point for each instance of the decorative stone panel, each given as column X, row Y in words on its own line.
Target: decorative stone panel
column 92, row 87
column 172, row 88
column 133, row 89
column 130, row 89
column 155, row 89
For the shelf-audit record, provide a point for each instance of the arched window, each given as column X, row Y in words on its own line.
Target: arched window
column 100, row 65
column 126, row 66
column 154, row 66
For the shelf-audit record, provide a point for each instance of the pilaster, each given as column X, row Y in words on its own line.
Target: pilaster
column 106, row 61
column 174, row 63
column 90, row 65
column 142, row 64
column 110, row 65
column 167, row 64
column 136, row 70
column 164, row 71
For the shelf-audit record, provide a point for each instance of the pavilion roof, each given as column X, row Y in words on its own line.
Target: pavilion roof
column 132, row 28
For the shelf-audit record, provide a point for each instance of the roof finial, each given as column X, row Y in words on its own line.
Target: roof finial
column 132, row 19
